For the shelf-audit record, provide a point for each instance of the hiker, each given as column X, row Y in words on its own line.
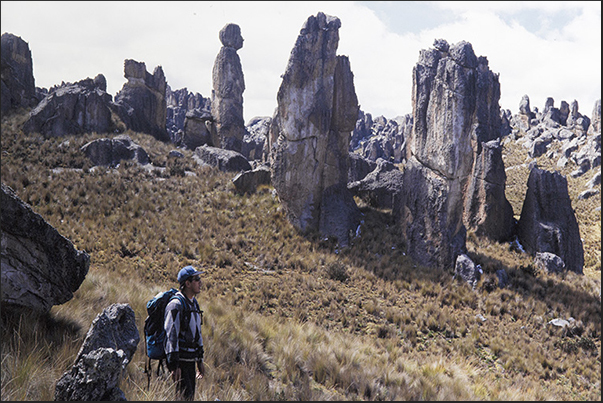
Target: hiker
column 184, row 344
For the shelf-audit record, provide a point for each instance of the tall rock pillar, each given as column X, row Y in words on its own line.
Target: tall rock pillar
column 453, row 165
column 316, row 113
column 227, row 92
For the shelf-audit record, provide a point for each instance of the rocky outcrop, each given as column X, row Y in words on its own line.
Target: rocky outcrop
column 108, row 348
column 222, row 159
column 317, row 110
column 227, row 92
column 548, row 222
column 256, row 137
column 18, row 84
column 141, row 103
column 178, row 104
column 447, row 175
column 595, row 121
column 40, row 267
column 110, row 152
column 73, row 108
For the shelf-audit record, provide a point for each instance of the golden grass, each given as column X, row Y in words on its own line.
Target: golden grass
column 292, row 317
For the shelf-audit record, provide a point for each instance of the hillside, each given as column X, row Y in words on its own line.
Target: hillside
column 289, row 317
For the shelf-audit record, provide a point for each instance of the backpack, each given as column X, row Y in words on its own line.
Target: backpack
column 154, row 331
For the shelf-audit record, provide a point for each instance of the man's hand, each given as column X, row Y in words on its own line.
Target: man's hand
column 176, row 374
column 201, row 368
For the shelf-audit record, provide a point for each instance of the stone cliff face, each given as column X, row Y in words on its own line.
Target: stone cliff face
column 18, row 84
column 310, row 133
column 448, row 180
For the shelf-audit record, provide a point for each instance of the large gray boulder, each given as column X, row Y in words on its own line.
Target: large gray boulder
column 111, row 151
column 40, row 267
column 141, row 103
column 18, row 84
column 108, row 348
column 197, row 130
column 222, row 159
column 248, row 181
column 73, row 108
column 317, row 110
column 227, row 92
column 380, row 187
column 547, row 222
column 359, row 167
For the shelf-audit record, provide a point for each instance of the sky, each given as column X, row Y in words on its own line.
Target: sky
column 539, row 48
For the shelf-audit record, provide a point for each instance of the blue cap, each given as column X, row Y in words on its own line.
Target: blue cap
column 187, row 272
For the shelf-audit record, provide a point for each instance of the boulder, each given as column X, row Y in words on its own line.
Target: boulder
column 110, row 152
column 227, row 92
column 18, row 84
column 248, row 181
column 222, row 159
column 467, row 270
column 547, row 222
column 108, row 348
column 359, row 167
column 317, row 110
column 380, row 187
column 73, row 108
column 197, row 130
column 141, row 103
column 40, row 267
column 548, row 262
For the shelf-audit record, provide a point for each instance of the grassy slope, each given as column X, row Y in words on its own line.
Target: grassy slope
column 292, row 317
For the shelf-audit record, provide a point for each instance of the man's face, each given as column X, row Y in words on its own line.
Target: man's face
column 195, row 284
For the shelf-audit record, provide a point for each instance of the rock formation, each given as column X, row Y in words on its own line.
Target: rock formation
column 380, row 187
column 317, row 110
column 448, row 180
column 248, row 181
column 40, row 267
column 18, row 84
column 73, row 108
column 108, row 348
column 256, row 137
column 227, row 93
column 222, row 159
column 179, row 103
column 110, row 152
column 548, row 222
column 141, row 103
column 197, row 130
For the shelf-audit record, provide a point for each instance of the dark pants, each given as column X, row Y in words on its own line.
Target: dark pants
column 186, row 387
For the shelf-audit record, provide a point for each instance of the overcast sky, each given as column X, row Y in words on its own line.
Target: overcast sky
column 542, row 48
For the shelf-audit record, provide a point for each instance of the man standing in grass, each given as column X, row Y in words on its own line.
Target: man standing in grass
column 184, row 343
